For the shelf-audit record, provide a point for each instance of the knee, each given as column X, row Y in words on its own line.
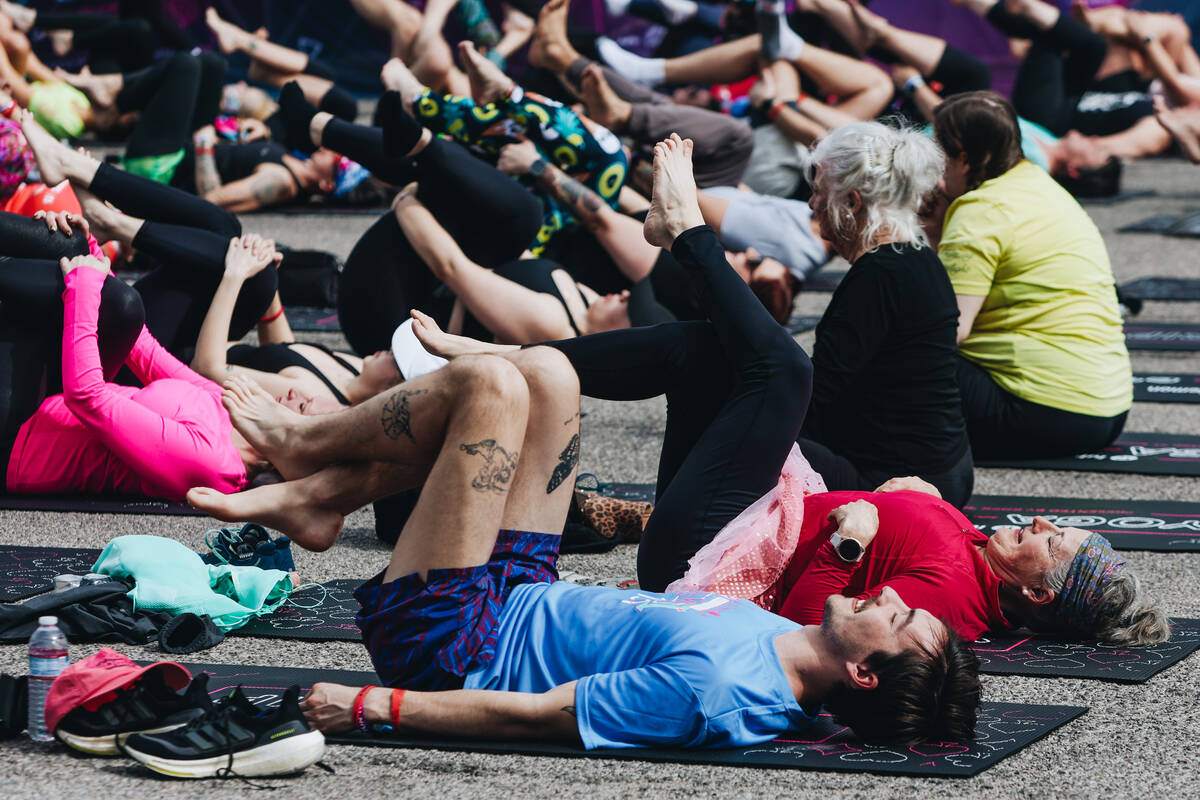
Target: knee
column 17, row 45
column 977, row 76
column 225, row 222
column 121, row 310
column 549, row 375
column 139, row 30
column 488, row 381
column 790, row 364
column 212, row 66
column 184, row 63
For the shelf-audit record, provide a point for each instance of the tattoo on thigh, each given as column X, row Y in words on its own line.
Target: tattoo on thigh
column 397, row 416
column 498, row 466
column 567, row 460
column 571, row 419
column 570, row 710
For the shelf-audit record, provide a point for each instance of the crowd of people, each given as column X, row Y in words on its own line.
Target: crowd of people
column 570, row 218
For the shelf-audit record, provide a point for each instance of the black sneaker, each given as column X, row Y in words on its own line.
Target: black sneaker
column 148, row 706
column 235, row 738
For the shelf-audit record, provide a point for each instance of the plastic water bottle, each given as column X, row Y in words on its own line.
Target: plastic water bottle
column 47, row 658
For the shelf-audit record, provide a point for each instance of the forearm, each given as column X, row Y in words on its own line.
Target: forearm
column 480, row 713
column 798, row 126
column 213, row 338
column 926, row 100
column 208, row 180
column 587, row 206
column 274, row 328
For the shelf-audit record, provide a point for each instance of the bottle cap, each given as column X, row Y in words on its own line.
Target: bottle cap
column 47, row 621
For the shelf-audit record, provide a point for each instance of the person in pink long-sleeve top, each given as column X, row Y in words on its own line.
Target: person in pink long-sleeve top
column 99, row 437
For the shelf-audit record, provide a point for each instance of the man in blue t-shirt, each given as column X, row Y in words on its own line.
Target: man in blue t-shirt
column 468, row 620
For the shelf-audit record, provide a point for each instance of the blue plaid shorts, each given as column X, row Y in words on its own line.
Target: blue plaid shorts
column 427, row 635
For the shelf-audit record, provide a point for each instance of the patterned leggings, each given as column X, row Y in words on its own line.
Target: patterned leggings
column 587, row 152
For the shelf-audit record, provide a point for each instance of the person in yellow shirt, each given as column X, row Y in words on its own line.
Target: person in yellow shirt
column 1043, row 368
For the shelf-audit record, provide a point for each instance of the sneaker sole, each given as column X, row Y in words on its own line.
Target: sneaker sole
column 109, row 745
column 285, row 757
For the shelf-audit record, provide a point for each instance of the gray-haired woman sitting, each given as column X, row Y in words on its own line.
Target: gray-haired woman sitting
column 885, row 398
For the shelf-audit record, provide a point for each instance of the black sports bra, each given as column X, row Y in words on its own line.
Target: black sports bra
column 274, row 357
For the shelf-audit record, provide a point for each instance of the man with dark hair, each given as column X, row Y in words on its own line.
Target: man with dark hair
column 469, row 621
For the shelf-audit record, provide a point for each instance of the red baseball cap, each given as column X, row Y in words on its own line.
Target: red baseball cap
column 100, row 674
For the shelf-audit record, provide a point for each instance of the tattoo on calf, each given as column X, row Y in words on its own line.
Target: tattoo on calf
column 397, row 416
column 571, row 419
column 567, row 460
column 570, row 710
column 498, row 466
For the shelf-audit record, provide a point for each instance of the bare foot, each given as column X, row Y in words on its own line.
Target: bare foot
column 61, row 42
column 1184, row 126
column 106, row 222
column 673, row 206
column 23, row 19
column 286, row 507
column 447, row 345
column 550, row 48
column 516, row 23
column 603, row 104
column 102, row 90
column 874, row 28
column 229, row 36
column 56, row 161
column 273, row 430
column 397, row 77
column 488, row 82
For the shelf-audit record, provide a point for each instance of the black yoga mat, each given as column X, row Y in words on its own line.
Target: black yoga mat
column 1166, row 388
column 1162, row 289
column 824, row 280
column 1162, row 336
column 1002, row 729
column 1167, row 224
column 800, row 324
column 95, row 504
column 320, row 210
column 1022, row 653
column 1137, row 453
column 1119, row 197
column 29, row 571
column 1157, row 525
column 629, row 491
column 309, row 319
column 324, row 613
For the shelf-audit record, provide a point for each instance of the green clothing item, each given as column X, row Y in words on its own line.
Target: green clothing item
column 171, row 578
column 160, row 169
column 59, row 107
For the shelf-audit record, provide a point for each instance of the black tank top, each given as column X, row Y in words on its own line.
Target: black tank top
column 274, row 357
column 532, row 273
column 234, row 160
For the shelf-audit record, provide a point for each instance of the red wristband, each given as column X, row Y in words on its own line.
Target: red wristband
column 9, row 108
column 397, row 699
column 274, row 316
column 357, row 712
column 775, row 109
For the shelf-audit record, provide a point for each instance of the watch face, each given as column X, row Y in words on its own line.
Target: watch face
column 849, row 549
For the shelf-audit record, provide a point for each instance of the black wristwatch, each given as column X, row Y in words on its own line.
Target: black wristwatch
column 849, row 550
column 537, row 168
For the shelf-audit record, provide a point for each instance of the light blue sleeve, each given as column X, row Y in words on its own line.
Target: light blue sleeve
column 645, row 707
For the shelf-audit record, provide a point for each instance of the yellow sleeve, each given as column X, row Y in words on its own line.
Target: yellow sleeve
column 972, row 248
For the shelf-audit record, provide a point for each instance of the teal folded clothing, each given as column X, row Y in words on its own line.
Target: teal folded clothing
column 169, row 577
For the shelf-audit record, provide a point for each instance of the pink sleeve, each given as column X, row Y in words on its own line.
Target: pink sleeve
column 150, row 362
column 145, row 441
column 94, row 247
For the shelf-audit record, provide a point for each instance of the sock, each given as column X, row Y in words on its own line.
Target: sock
column 411, row 356
column 646, row 71
column 340, row 103
column 480, row 28
column 297, row 115
column 778, row 40
column 400, row 131
column 617, row 8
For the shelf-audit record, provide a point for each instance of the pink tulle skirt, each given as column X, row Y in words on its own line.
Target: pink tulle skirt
column 749, row 556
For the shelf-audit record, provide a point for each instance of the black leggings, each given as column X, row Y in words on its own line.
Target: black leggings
column 187, row 237
column 113, row 45
column 1002, row 425
column 176, row 97
column 1060, row 66
column 31, row 318
column 491, row 217
column 737, row 391
column 842, row 474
